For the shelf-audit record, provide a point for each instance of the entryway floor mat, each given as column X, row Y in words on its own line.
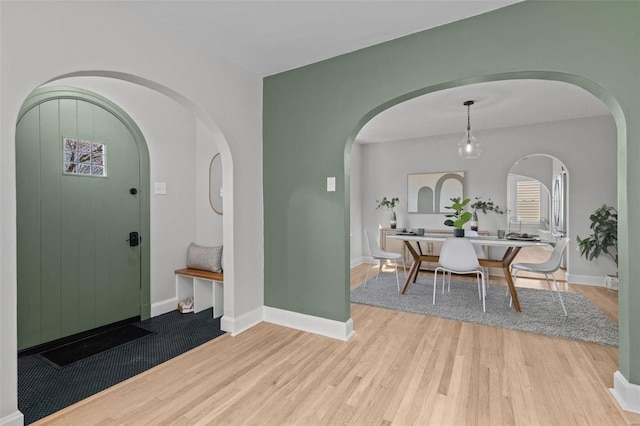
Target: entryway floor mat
column 93, row 345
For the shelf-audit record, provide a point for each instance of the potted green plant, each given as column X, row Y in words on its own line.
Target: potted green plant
column 484, row 206
column 603, row 239
column 389, row 204
column 459, row 217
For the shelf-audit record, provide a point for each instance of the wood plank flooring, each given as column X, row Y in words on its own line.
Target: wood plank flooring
column 398, row 369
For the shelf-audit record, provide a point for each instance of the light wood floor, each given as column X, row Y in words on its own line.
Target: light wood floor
column 399, row 369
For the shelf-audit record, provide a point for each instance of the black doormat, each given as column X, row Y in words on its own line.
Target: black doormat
column 90, row 346
column 44, row 389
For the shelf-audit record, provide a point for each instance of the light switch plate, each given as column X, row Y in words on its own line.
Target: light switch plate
column 331, row 184
column 160, row 188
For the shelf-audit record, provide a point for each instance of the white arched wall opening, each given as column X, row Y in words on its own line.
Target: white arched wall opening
column 586, row 84
column 595, row 90
column 216, row 135
column 229, row 322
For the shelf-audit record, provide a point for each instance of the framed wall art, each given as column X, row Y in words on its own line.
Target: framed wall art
column 430, row 193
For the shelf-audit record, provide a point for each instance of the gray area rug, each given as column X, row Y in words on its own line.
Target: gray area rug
column 540, row 314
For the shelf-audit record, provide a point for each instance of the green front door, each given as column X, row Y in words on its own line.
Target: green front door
column 78, row 198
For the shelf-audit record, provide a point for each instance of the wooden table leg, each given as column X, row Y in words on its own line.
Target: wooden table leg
column 415, row 277
column 412, row 271
column 505, row 265
column 414, row 266
column 512, row 288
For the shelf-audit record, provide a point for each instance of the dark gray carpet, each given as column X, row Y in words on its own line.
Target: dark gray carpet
column 540, row 314
column 43, row 389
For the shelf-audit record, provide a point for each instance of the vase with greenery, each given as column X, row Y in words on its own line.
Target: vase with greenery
column 459, row 217
column 389, row 204
column 484, row 206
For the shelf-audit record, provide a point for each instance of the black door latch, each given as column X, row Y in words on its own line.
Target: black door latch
column 134, row 239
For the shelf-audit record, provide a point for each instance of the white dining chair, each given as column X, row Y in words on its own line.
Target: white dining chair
column 479, row 250
column 459, row 257
column 546, row 268
column 376, row 253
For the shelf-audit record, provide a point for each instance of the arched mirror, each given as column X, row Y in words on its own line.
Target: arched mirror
column 215, row 184
column 536, row 195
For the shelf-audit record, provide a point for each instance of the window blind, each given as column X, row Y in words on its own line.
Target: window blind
column 528, row 201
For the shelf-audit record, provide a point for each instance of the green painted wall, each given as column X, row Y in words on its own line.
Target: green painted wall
column 311, row 115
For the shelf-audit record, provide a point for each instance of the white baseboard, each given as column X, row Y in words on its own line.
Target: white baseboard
column 322, row 326
column 358, row 261
column 597, row 281
column 14, row 419
column 237, row 325
column 627, row 394
column 164, row 306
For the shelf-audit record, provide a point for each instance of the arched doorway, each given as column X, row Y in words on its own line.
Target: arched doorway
column 484, row 177
column 82, row 202
column 208, row 131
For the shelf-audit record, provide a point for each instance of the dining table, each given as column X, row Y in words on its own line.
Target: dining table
column 513, row 245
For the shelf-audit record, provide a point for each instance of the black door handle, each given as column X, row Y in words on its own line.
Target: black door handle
column 134, row 239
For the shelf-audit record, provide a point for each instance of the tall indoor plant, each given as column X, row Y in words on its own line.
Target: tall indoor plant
column 389, row 204
column 459, row 217
column 603, row 239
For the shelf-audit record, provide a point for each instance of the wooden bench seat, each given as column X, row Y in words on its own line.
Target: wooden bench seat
column 199, row 273
column 203, row 287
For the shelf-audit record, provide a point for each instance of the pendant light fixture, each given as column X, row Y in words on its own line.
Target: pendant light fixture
column 469, row 147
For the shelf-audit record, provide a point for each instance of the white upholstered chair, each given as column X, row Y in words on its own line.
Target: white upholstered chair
column 376, row 253
column 546, row 268
column 458, row 256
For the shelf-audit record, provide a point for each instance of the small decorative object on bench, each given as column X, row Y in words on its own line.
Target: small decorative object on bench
column 201, row 282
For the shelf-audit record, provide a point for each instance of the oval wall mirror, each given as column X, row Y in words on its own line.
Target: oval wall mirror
column 215, row 184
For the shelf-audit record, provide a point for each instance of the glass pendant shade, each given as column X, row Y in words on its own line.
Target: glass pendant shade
column 469, row 147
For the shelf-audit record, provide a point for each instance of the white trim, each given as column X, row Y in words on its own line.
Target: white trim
column 242, row 323
column 597, row 280
column 14, row 419
column 164, row 306
column 625, row 393
column 358, row 261
column 322, row 326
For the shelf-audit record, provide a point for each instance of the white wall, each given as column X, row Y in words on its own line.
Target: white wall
column 208, row 223
column 41, row 41
column 586, row 146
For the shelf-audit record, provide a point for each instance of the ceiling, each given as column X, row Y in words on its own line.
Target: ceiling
column 267, row 37
column 497, row 104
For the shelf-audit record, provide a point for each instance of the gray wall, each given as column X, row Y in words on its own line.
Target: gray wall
column 586, row 146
